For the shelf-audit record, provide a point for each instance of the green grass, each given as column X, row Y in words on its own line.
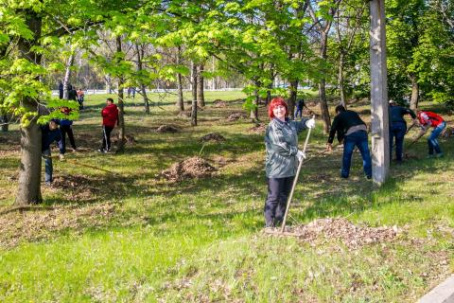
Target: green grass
column 126, row 236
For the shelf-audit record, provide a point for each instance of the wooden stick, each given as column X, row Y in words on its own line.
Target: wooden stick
column 295, row 181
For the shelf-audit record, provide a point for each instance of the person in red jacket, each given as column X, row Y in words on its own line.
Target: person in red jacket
column 109, row 120
column 430, row 119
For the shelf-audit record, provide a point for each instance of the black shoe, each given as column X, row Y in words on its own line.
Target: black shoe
column 368, row 177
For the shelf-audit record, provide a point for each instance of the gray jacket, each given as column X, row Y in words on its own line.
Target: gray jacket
column 281, row 140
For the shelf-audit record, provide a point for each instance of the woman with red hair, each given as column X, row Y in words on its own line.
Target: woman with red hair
column 282, row 158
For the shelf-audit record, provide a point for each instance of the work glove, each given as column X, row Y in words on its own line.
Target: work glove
column 300, row 155
column 329, row 147
column 310, row 123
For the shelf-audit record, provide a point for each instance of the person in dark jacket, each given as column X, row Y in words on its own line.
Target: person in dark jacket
column 72, row 93
column 66, row 128
column 398, row 128
column 60, row 90
column 50, row 134
column 300, row 105
column 109, row 120
column 282, row 156
column 353, row 132
column 80, row 98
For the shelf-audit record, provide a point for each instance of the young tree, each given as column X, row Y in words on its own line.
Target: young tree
column 323, row 19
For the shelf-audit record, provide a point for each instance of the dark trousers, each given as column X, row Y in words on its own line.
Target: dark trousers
column 67, row 129
column 358, row 139
column 276, row 202
column 48, row 169
column 299, row 111
column 106, row 130
column 81, row 103
column 397, row 131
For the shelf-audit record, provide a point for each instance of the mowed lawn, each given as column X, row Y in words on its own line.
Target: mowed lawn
column 112, row 230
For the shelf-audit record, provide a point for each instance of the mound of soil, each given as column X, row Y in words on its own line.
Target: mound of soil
column 218, row 103
column 341, row 229
column 213, row 137
column 236, row 116
column 189, row 168
column 167, row 129
column 259, row 128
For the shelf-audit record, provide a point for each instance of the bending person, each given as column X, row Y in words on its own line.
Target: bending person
column 353, row 131
column 398, row 128
column 430, row 119
column 50, row 133
column 282, row 156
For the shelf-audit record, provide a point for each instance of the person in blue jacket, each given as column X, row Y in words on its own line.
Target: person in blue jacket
column 50, row 134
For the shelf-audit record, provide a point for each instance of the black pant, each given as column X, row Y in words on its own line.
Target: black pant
column 276, row 202
column 67, row 129
column 106, row 130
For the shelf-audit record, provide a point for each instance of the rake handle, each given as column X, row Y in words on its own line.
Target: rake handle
column 295, row 181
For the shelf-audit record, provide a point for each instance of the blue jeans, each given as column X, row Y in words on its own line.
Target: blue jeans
column 358, row 139
column 47, row 166
column 432, row 140
column 397, row 130
column 300, row 111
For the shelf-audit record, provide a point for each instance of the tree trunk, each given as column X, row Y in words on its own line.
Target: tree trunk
column 340, row 79
column 4, row 122
column 67, row 77
column 200, row 84
column 29, row 187
column 292, row 98
column 254, row 115
column 121, row 106
column 108, row 84
column 414, row 100
column 180, row 102
column 194, row 95
column 140, row 54
column 322, row 86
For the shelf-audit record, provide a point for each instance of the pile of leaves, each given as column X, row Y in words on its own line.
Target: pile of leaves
column 218, row 103
column 76, row 187
column 190, row 168
column 236, row 116
column 213, row 137
column 167, row 129
column 341, row 229
column 259, row 128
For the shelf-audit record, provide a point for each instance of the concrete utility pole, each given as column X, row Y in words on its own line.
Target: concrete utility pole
column 379, row 93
